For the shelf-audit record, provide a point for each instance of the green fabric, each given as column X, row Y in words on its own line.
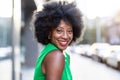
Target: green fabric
column 39, row 75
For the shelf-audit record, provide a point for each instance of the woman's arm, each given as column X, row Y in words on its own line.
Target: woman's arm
column 54, row 65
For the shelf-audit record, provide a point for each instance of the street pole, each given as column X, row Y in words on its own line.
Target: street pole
column 13, row 60
column 16, row 26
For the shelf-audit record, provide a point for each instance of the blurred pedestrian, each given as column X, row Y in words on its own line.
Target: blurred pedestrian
column 57, row 25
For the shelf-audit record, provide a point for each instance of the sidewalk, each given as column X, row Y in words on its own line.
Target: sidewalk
column 27, row 73
column 82, row 69
column 5, row 69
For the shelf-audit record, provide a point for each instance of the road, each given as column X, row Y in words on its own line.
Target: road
column 84, row 68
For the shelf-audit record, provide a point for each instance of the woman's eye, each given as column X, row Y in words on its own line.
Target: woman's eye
column 59, row 30
column 70, row 31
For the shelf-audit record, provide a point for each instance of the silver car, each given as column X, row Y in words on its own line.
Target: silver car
column 114, row 59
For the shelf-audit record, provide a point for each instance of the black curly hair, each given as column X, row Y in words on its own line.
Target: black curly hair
column 51, row 15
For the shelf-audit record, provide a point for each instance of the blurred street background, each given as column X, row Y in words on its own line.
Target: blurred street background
column 96, row 57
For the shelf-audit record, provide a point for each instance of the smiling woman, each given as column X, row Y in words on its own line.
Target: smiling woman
column 57, row 25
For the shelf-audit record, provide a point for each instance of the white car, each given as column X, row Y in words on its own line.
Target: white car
column 114, row 59
column 98, row 50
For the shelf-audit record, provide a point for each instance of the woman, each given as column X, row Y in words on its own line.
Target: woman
column 56, row 26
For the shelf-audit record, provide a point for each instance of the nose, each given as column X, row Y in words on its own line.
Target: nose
column 65, row 35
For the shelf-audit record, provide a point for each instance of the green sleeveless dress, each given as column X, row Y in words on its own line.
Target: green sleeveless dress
column 39, row 75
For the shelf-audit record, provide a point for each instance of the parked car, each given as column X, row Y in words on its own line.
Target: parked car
column 84, row 48
column 114, row 59
column 78, row 49
column 98, row 50
column 105, row 54
column 81, row 49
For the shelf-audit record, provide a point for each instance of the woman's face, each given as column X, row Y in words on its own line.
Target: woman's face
column 62, row 35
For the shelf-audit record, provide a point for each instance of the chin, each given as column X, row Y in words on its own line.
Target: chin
column 62, row 49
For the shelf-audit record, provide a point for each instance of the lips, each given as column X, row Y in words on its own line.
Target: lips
column 63, row 43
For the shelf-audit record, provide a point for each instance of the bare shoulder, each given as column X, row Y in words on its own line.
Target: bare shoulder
column 54, row 65
column 55, row 55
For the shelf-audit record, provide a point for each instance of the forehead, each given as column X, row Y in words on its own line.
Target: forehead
column 64, row 24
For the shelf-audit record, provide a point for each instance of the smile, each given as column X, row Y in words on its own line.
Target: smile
column 63, row 43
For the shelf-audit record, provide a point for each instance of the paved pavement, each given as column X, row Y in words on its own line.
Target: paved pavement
column 5, row 69
column 27, row 73
column 82, row 69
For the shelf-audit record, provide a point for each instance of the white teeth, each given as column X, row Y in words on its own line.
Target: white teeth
column 63, row 43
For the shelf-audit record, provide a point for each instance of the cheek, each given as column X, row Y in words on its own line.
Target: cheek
column 71, row 36
column 54, row 36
